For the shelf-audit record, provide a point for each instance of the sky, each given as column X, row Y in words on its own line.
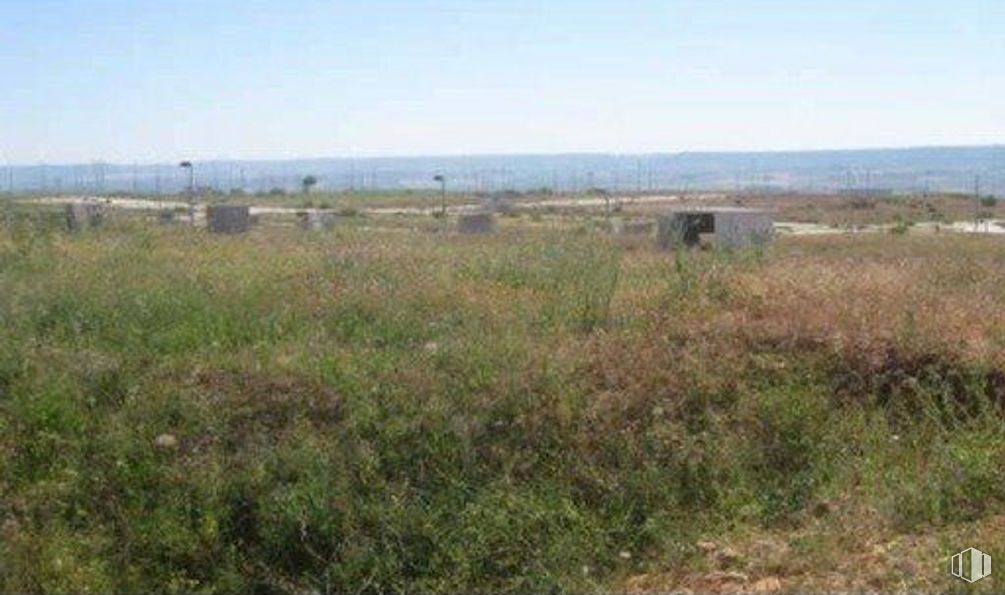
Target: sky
column 151, row 81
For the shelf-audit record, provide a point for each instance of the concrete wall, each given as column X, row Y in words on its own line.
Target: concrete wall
column 228, row 219
column 682, row 229
column 741, row 229
column 317, row 221
column 732, row 228
column 476, row 223
column 80, row 216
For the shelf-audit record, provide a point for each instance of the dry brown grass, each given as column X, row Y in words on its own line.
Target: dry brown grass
column 543, row 408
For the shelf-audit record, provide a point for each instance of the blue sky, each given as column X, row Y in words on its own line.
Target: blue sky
column 139, row 80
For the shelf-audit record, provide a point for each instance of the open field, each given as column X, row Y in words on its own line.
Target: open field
column 829, row 210
column 399, row 409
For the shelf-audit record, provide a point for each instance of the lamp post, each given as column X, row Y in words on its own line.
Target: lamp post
column 977, row 204
column 443, row 192
column 187, row 165
column 9, row 178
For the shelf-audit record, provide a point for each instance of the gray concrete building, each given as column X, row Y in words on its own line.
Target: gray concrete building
column 81, row 216
column 476, row 223
column 731, row 227
column 166, row 216
column 317, row 220
column 228, row 219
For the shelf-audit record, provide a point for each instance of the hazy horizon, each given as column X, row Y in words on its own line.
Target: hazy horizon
column 155, row 82
column 888, row 170
column 515, row 154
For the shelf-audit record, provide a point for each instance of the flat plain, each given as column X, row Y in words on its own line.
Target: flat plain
column 393, row 407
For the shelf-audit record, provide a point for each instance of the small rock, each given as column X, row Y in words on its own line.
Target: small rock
column 431, row 347
column 767, row 585
column 707, row 546
column 166, row 442
column 625, row 555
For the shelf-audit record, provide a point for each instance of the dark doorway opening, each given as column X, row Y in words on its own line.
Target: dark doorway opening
column 695, row 224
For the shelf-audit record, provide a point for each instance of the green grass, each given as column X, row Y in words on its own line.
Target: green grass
column 388, row 411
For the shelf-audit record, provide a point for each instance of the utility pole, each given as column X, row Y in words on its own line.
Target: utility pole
column 443, row 193
column 977, row 202
column 187, row 165
column 99, row 177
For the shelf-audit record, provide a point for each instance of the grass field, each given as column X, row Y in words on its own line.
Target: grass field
column 539, row 409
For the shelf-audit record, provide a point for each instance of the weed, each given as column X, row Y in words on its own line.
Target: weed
column 534, row 410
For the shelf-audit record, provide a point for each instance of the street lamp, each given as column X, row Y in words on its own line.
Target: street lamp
column 443, row 192
column 10, row 174
column 187, row 165
column 977, row 206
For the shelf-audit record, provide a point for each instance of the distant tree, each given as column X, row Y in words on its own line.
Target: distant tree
column 308, row 182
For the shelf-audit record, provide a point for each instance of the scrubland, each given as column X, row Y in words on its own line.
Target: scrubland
column 841, row 211
column 534, row 410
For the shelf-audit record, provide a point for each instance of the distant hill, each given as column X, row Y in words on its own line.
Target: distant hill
column 883, row 170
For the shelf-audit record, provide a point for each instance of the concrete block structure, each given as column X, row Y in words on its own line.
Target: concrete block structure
column 636, row 227
column 317, row 220
column 228, row 219
column 733, row 228
column 81, row 216
column 499, row 202
column 476, row 223
column 627, row 227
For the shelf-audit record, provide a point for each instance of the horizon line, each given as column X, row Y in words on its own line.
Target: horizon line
column 515, row 154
